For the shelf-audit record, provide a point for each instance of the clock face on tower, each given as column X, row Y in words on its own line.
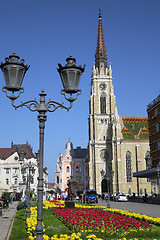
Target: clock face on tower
column 102, row 86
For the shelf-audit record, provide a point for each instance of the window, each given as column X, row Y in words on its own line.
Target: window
column 7, row 170
column 67, row 169
column 78, row 168
column 33, row 170
column 32, row 180
column 157, row 127
column 57, row 179
column 23, row 170
column 24, row 179
column 158, row 145
column 103, row 103
column 128, row 167
column 7, row 181
column 67, row 179
column 16, row 170
column 15, row 181
column 80, row 179
column 155, row 112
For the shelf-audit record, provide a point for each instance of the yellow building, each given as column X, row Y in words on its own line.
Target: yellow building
column 118, row 146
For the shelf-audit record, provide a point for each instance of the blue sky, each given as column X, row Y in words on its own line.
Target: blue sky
column 45, row 33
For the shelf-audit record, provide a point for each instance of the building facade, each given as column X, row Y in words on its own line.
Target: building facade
column 153, row 170
column 153, row 110
column 118, row 146
column 73, row 162
column 11, row 173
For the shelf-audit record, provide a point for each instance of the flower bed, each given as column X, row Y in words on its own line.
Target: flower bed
column 97, row 220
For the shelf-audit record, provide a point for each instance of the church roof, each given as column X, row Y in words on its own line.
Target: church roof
column 135, row 128
column 100, row 55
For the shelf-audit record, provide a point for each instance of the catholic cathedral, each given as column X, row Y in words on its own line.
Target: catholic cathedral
column 118, row 146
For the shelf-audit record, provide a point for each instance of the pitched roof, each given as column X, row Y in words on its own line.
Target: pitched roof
column 7, row 152
column 135, row 128
column 80, row 152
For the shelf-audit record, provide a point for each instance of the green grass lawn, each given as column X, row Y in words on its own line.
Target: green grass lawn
column 55, row 226
column 52, row 225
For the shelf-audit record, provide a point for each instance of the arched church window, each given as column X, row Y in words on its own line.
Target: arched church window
column 103, row 103
column 129, row 166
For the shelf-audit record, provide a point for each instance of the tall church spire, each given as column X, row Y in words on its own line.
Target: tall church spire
column 100, row 55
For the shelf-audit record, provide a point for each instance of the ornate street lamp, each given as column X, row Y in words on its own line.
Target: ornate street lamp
column 14, row 71
column 30, row 167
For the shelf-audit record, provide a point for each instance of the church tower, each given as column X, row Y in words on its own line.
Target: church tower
column 118, row 146
column 102, row 118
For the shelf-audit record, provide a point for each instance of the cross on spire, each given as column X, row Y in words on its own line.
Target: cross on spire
column 100, row 55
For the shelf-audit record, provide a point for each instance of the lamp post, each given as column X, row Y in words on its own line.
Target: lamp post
column 30, row 168
column 136, row 150
column 158, row 178
column 14, row 71
column 21, row 155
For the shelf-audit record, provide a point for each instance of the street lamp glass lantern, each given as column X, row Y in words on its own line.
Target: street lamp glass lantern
column 21, row 155
column 14, row 71
column 70, row 75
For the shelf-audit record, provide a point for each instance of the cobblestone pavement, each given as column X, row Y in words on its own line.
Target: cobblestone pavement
column 152, row 210
column 6, row 221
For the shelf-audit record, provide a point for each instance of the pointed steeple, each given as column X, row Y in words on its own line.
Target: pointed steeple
column 100, row 55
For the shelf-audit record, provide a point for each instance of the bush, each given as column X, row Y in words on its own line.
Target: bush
column 22, row 205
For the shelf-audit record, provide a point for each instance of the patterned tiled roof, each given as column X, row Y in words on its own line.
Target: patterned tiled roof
column 135, row 119
column 100, row 55
column 135, row 128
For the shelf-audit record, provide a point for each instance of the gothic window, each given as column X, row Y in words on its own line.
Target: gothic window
column 67, row 169
column 103, row 103
column 128, row 167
